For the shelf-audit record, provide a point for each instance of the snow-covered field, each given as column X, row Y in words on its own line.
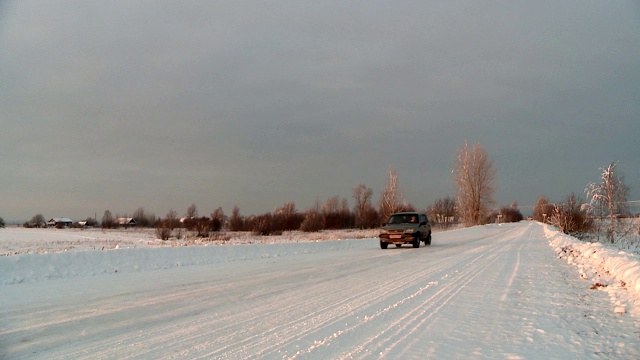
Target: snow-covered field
column 513, row 291
column 19, row 240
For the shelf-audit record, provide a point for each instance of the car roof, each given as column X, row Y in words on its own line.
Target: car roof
column 408, row 213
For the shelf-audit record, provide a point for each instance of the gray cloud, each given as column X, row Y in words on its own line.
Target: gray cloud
column 120, row 104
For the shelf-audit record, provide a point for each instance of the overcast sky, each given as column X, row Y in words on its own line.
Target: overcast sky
column 113, row 105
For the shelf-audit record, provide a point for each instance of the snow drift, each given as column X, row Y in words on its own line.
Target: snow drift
column 612, row 270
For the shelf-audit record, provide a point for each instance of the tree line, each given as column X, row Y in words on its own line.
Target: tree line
column 474, row 177
column 475, row 180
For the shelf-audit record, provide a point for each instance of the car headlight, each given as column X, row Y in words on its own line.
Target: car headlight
column 409, row 231
column 384, row 231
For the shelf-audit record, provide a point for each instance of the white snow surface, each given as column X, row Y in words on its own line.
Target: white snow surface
column 510, row 291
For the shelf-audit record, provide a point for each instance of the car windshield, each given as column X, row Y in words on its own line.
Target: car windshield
column 403, row 219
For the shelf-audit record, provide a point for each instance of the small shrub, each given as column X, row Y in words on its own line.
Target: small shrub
column 218, row 236
column 570, row 217
column 262, row 224
column 203, row 226
column 287, row 218
column 332, row 221
column 313, row 221
column 163, row 230
column 370, row 219
column 509, row 214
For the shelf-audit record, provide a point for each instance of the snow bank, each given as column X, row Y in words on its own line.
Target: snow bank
column 37, row 267
column 614, row 271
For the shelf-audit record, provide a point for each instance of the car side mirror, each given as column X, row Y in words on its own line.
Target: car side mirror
column 423, row 223
column 383, row 224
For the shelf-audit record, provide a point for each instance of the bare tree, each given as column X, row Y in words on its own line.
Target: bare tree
column 90, row 221
column 313, row 221
column 202, row 225
column 190, row 220
column 172, row 219
column 347, row 219
column 108, row 221
column 365, row 215
column 142, row 219
column 511, row 213
column 263, row 225
column 609, row 198
column 192, row 212
column 443, row 212
column 330, row 205
column 287, row 218
column 165, row 227
column 37, row 221
column 336, row 213
column 218, row 219
column 542, row 210
column 236, row 221
column 391, row 198
column 152, row 218
column 475, row 177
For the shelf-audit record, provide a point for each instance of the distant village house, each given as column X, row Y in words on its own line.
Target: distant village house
column 60, row 222
column 126, row 222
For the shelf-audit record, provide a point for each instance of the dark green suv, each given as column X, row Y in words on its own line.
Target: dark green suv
column 406, row 228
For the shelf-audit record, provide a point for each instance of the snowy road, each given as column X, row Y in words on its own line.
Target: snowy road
column 487, row 292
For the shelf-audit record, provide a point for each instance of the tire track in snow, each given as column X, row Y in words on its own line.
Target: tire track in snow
column 416, row 314
column 329, row 313
column 417, row 319
column 338, row 314
column 188, row 330
column 283, row 334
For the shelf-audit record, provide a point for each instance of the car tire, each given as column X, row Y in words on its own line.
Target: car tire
column 416, row 241
column 428, row 241
column 383, row 245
